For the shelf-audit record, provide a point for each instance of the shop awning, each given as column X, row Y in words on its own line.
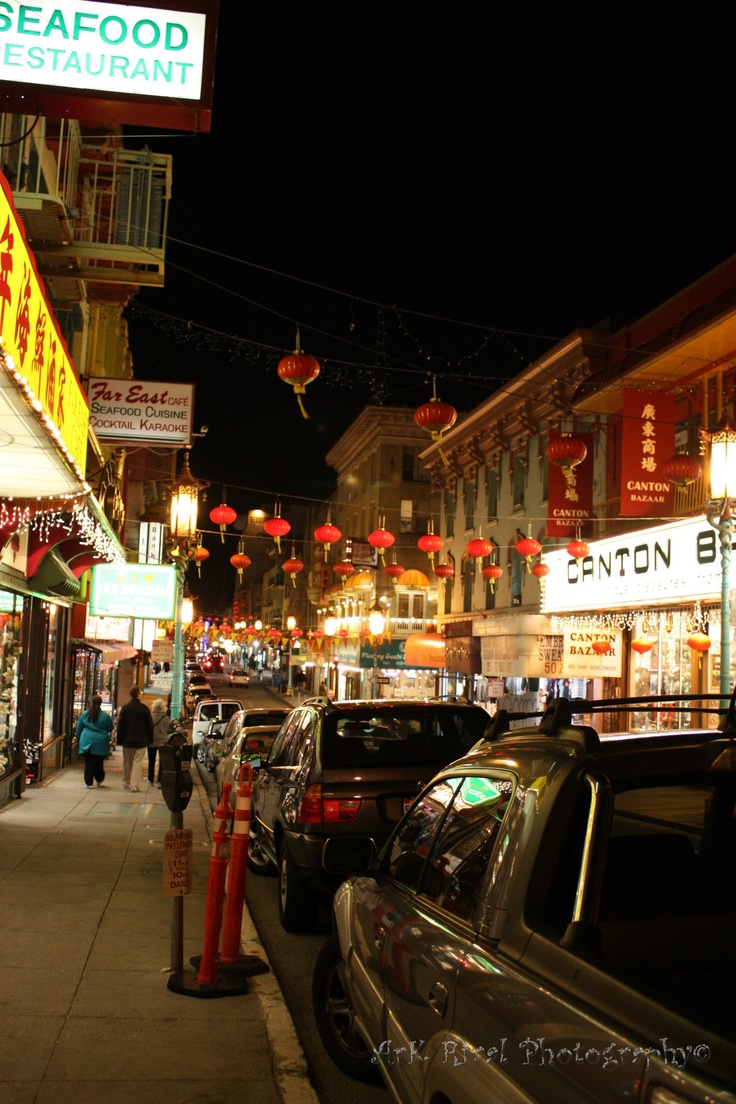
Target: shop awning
column 110, row 650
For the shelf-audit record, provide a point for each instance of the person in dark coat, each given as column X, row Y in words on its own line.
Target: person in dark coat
column 94, row 728
column 135, row 733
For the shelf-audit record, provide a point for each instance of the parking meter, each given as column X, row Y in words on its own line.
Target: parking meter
column 176, row 773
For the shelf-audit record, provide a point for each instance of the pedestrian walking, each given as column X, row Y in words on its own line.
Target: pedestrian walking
column 135, row 733
column 161, row 725
column 94, row 729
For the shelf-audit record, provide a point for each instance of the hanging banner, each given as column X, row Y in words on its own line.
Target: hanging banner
column 521, row 656
column 137, row 410
column 648, row 442
column 570, row 494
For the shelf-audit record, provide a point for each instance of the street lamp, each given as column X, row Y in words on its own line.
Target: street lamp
column 376, row 628
column 718, row 511
column 184, row 492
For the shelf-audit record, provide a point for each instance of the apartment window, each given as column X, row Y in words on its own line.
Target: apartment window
column 417, row 607
column 408, row 464
column 447, row 585
column 517, row 574
column 402, row 607
column 491, row 585
column 407, row 516
column 450, row 506
column 470, row 503
column 491, row 494
column 519, row 486
column 468, row 578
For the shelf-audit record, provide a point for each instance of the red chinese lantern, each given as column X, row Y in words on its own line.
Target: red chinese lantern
column 277, row 527
column 492, row 572
column 540, row 570
column 240, row 561
column 200, row 555
column 343, row 569
column 699, row 641
column 681, row 469
column 436, row 417
column 528, row 547
column 601, row 647
column 222, row 515
column 298, row 369
column 394, row 570
column 381, row 539
column 479, row 547
column 274, row 635
column 444, row 571
column 327, row 534
column 642, row 644
column 296, row 633
column 430, row 543
column 292, row 567
column 566, row 452
column 578, row 549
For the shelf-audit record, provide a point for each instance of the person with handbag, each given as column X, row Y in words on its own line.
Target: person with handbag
column 94, row 729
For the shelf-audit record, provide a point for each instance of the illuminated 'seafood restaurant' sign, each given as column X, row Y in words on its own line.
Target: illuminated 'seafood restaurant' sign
column 121, row 48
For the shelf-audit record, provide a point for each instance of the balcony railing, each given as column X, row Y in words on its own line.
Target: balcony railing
column 92, row 212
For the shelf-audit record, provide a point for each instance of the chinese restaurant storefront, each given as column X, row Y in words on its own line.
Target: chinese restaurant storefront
column 51, row 527
column 647, row 593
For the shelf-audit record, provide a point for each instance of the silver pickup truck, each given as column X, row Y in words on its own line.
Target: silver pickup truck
column 553, row 920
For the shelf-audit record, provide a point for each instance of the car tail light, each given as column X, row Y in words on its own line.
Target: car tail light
column 315, row 809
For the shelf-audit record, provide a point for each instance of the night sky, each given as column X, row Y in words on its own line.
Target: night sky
column 423, row 189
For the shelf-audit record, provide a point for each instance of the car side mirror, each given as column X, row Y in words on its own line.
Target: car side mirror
column 348, row 856
column 255, row 760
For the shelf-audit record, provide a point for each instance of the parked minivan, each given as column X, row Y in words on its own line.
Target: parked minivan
column 219, row 710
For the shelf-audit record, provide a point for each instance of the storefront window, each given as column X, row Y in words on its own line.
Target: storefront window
column 667, row 668
column 11, row 614
column 49, row 687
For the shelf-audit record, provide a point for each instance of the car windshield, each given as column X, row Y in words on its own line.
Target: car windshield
column 264, row 718
column 408, row 737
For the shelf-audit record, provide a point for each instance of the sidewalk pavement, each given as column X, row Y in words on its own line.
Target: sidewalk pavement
column 87, row 938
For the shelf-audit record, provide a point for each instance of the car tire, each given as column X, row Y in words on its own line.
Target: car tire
column 334, row 1016
column 199, row 753
column 298, row 909
column 258, row 861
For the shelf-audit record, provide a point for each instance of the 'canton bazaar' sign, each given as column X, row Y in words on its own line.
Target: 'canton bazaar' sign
column 679, row 562
column 648, row 442
column 31, row 335
column 118, row 48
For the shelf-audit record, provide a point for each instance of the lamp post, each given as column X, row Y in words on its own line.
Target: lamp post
column 718, row 511
column 331, row 626
column 183, row 532
column 376, row 627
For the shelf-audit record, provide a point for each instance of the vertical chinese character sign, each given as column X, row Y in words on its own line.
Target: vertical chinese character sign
column 31, row 335
column 648, row 442
column 570, row 493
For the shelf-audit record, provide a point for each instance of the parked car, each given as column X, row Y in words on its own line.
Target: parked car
column 238, row 677
column 345, row 768
column 215, row 748
column 196, row 688
column 192, row 667
column 252, row 744
column 552, row 920
column 216, row 709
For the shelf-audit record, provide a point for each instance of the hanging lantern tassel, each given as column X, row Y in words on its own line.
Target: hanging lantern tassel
column 298, row 369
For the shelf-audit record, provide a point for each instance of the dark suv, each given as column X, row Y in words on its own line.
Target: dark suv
column 348, row 768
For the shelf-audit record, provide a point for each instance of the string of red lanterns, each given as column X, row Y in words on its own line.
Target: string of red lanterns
column 436, row 417
column 327, row 535
column 430, row 543
column 276, row 527
column 223, row 515
column 381, row 539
